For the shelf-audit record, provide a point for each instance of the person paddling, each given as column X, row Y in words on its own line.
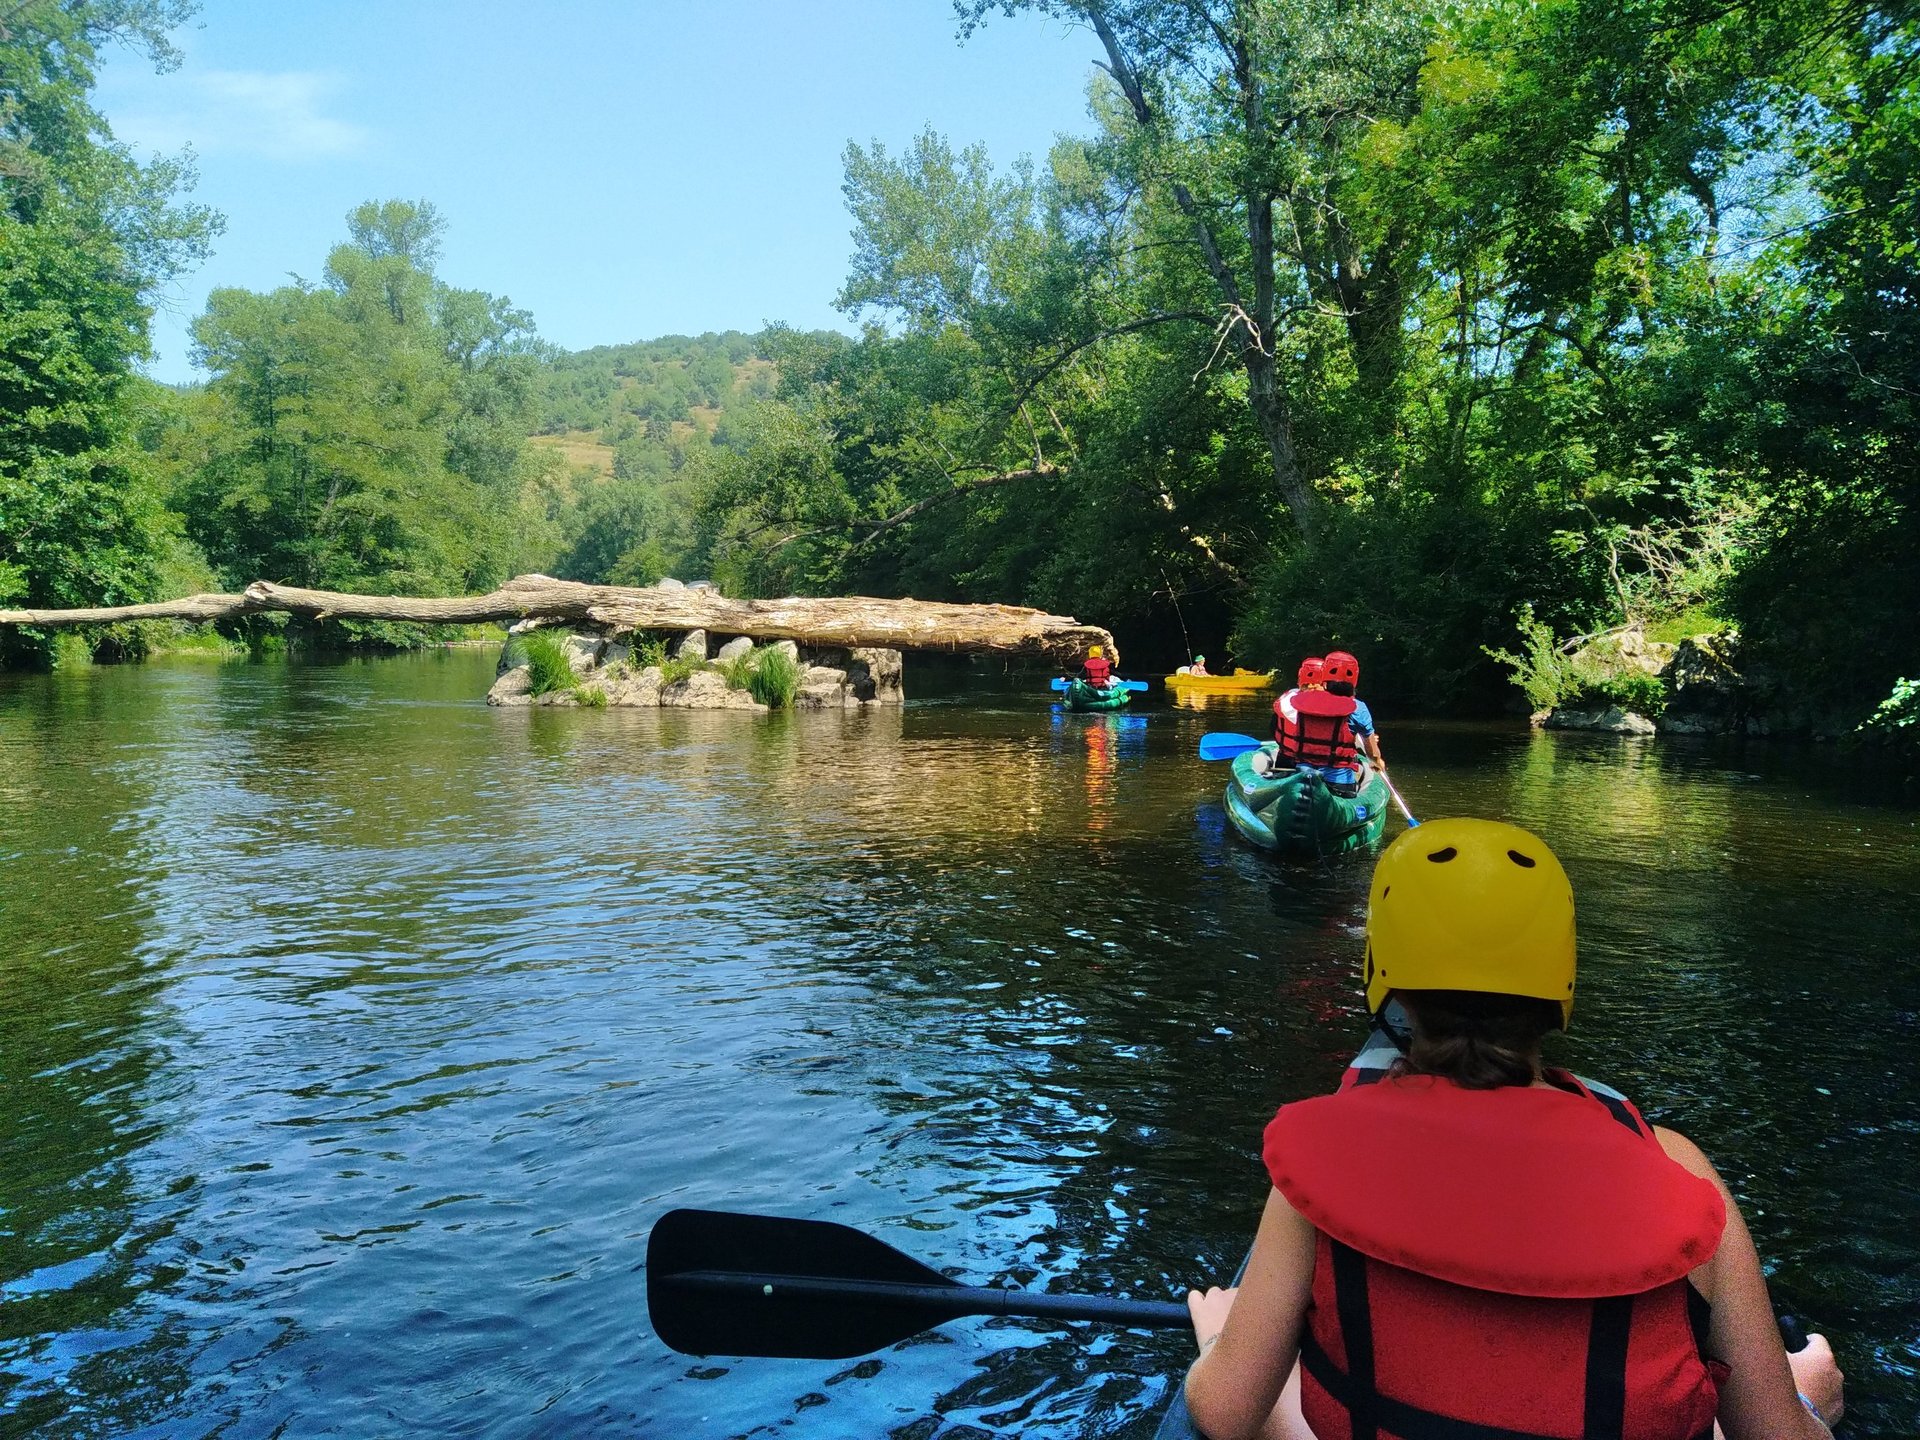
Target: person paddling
column 1286, row 710
column 1342, row 681
column 1320, row 723
column 1096, row 669
column 1476, row 1243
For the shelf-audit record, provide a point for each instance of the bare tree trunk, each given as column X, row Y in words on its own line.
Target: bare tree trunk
column 854, row 620
column 1251, row 332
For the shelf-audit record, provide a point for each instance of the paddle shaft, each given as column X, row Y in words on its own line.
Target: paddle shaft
column 951, row 1301
column 1398, row 801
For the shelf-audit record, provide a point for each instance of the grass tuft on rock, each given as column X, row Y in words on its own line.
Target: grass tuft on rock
column 548, row 664
column 673, row 671
column 774, row 678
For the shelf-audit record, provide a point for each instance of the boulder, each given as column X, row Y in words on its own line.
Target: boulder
column 793, row 650
column 634, row 687
column 668, row 583
column 1706, row 695
column 616, row 658
column 583, row 652
column 876, row 676
column 823, row 687
column 823, row 697
column 1613, row 720
column 738, row 646
column 514, row 687
column 705, row 690
column 692, row 646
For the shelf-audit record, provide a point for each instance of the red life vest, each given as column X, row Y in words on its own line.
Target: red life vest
column 1311, row 726
column 1497, row 1265
column 1097, row 669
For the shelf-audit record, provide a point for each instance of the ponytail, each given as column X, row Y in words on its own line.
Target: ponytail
column 1478, row 1041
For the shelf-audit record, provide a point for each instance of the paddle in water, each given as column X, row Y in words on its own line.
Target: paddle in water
column 1225, row 745
column 1412, row 824
column 726, row 1284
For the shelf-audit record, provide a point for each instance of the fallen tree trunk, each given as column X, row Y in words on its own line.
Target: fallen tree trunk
column 854, row 620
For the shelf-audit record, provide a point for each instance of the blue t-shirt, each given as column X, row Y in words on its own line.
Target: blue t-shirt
column 1361, row 723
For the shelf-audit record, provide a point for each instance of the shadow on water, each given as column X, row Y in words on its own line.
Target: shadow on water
column 355, row 1033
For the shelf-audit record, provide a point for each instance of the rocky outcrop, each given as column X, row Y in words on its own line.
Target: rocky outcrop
column 704, row 690
column 607, row 671
column 1711, row 689
column 1706, row 694
column 877, row 676
column 1610, row 718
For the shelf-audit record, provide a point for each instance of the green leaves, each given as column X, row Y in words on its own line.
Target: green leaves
column 84, row 231
column 368, row 434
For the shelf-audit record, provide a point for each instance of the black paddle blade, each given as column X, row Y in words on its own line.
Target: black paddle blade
column 726, row 1284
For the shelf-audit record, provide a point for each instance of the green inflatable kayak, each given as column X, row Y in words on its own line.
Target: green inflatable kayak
column 1082, row 696
column 1292, row 810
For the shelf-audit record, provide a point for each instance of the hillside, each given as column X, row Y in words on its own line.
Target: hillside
column 631, row 411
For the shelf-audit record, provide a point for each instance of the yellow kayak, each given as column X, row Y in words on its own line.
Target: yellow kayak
column 1241, row 682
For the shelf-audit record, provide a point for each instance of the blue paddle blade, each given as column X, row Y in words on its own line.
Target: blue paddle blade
column 1223, row 745
column 1133, row 684
column 1057, row 683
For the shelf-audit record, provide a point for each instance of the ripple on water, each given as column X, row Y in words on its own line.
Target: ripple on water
column 355, row 1034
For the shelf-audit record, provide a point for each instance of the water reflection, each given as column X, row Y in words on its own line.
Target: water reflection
column 355, row 1033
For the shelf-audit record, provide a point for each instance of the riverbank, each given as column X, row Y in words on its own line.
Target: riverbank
column 1701, row 685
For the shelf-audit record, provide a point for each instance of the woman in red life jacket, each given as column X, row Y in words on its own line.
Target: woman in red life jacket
column 1286, row 712
column 1481, row 1246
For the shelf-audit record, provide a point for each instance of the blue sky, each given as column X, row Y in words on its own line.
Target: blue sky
column 621, row 170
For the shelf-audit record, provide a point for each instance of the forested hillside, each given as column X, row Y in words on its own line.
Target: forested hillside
column 636, row 426
column 1427, row 331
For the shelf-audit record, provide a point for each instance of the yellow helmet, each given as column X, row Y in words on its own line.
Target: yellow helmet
column 1470, row 905
column 1094, row 652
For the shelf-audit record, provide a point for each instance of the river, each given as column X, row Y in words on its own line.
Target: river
column 353, row 1034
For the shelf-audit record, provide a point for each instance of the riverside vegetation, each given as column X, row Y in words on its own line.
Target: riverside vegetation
column 771, row 674
column 1448, row 335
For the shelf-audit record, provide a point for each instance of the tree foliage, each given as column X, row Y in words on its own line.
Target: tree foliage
column 1370, row 322
column 367, row 433
column 85, row 233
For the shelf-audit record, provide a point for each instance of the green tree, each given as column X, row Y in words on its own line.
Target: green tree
column 86, row 232
column 367, row 433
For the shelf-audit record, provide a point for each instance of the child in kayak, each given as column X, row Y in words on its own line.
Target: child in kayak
column 1096, row 669
column 1478, row 1244
column 1286, row 710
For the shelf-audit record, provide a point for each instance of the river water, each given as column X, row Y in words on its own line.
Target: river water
column 353, row 1034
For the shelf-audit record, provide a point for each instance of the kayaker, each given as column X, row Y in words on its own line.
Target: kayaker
column 1557, row 1265
column 1096, row 669
column 1286, row 715
column 1199, row 665
column 1315, row 726
column 1343, row 679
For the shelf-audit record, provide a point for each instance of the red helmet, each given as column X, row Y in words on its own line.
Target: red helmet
column 1342, row 666
column 1313, row 671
